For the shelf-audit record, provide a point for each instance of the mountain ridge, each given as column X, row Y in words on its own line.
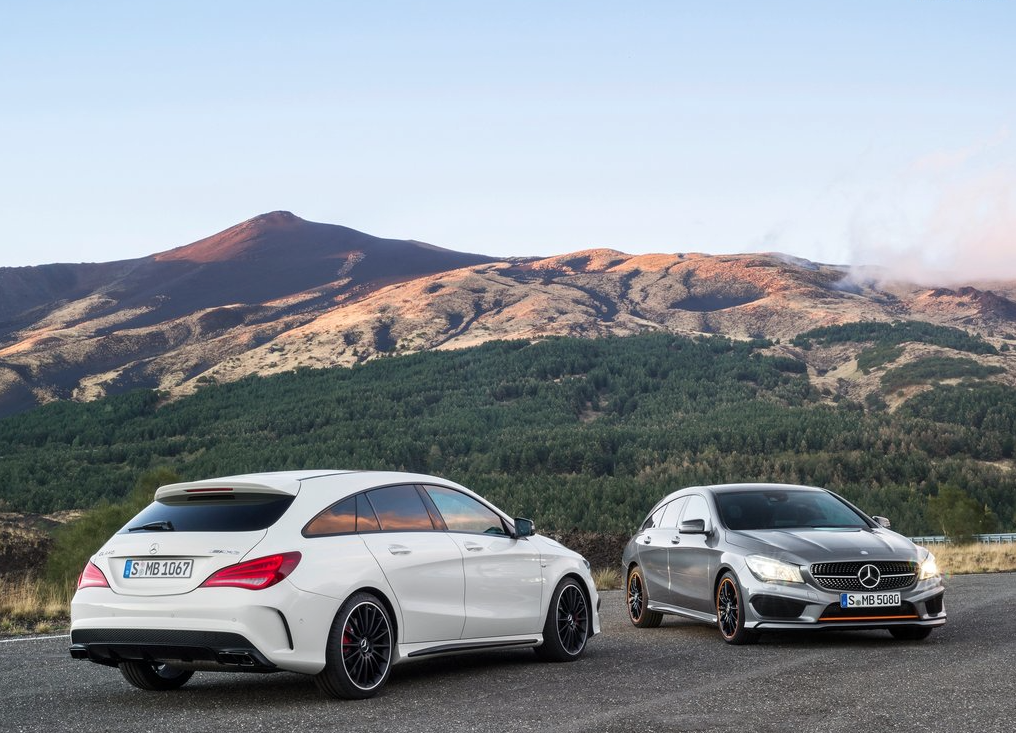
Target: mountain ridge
column 276, row 293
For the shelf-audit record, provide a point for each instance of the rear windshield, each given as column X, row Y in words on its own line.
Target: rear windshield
column 777, row 509
column 210, row 513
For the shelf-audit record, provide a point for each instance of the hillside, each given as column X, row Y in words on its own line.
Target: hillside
column 277, row 293
column 82, row 331
column 579, row 433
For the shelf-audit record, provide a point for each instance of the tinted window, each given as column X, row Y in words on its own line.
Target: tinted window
column 654, row 519
column 336, row 519
column 671, row 512
column 365, row 519
column 399, row 508
column 233, row 512
column 463, row 513
column 697, row 509
column 778, row 509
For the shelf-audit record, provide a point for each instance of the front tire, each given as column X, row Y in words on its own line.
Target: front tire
column 567, row 627
column 154, row 677
column 730, row 612
column 637, row 601
column 358, row 656
column 910, row 633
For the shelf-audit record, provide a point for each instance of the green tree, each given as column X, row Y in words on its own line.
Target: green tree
column 77, row 541
column 959, row 515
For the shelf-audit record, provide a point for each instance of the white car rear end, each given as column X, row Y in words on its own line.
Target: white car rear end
column 252, row 573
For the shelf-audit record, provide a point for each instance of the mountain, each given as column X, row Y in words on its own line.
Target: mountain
column 83, row 330
column 276, row 293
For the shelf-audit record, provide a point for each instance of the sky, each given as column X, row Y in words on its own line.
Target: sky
column 861, row 133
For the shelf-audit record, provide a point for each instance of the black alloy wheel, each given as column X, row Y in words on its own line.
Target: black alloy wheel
column 572, row 619
column 568, row 624
column 359, row 653
column 637, row 601
column 730, row 612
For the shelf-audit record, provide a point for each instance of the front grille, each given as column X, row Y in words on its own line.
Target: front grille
column 842, row 576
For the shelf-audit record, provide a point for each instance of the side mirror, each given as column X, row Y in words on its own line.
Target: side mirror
column 523, row 528
column 693, row 526
column 883, row 522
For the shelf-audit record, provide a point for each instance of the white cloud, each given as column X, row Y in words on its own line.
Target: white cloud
column 949, row 219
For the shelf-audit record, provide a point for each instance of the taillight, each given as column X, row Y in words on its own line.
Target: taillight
column 92, row 577
column 254, row 574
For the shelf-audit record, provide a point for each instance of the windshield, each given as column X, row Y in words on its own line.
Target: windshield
column 786, row 509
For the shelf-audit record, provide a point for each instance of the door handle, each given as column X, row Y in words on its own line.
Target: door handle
column 399, row 549
column 675, row 540
column 472, row 546
column 648, row 540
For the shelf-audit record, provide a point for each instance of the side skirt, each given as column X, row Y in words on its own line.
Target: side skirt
column 415, row 651
column 678, row 611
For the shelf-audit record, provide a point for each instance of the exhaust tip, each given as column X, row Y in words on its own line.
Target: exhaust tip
column 236, row 659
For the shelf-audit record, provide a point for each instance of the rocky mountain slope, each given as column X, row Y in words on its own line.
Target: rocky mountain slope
column 277, row 293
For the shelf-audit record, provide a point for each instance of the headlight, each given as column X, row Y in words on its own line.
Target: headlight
column 928, row 568
column 765, row 568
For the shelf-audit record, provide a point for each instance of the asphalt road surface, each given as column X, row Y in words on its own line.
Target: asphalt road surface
column 679, row 677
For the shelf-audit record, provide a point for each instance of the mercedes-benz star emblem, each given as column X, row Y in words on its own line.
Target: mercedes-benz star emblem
column 154, row 549
column 869, row 576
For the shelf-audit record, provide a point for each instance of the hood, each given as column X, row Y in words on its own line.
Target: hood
column 825, row 545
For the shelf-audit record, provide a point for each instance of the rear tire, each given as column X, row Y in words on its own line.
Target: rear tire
column 637, row 601
column 910, row 633
column 566, row 630
column 154, row 677
column 730, row 612
column 358, row 656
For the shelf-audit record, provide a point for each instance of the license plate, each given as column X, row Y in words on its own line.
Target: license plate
column 870, row 600
column 158, row 568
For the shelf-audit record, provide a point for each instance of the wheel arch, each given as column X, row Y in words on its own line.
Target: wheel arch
column 393, row 612
column 586, row 590
column 722, row 570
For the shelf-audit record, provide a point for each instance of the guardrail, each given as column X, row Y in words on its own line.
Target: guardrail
column 1004, row 538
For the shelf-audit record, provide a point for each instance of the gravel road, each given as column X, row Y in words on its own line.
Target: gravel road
column 679, row 677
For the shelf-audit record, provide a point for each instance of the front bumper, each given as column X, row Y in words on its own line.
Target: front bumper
column 803, row 606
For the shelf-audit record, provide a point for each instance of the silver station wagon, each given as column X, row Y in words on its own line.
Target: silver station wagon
column 754, row 557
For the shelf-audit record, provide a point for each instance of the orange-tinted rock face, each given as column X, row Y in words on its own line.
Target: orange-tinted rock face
column 277, row 292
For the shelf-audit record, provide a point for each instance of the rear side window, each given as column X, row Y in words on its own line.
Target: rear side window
column 233, row 512
column 399, row 509
column 345, row 517
column 336, row 519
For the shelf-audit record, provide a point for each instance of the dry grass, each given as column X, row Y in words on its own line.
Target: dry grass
column 30, row 606
column 607, row 578
column 975, row 558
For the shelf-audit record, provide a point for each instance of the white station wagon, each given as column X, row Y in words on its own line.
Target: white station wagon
column 338, row 574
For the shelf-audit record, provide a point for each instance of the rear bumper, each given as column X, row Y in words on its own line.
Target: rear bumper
column 226, row 629
column 181, row 648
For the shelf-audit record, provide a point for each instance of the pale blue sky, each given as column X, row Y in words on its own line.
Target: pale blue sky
column 851, row 132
